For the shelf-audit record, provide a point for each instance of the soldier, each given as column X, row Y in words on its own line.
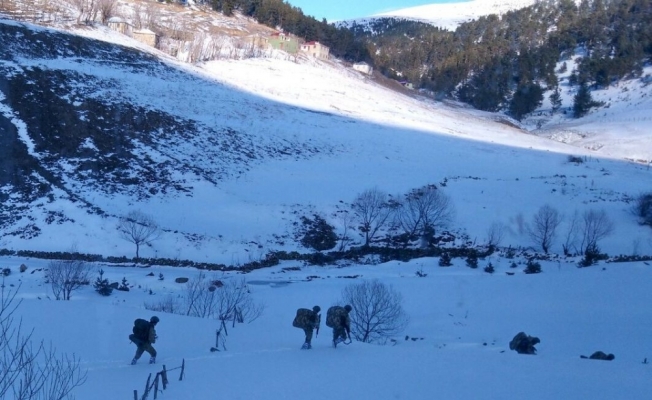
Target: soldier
column 338, row 318
column 308, row 320
column 143, row 337
column 524, row 344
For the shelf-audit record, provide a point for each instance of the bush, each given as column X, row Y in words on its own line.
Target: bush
column 532, row 267
column 643, row 208
column 317, row 233
column 124, row 286
column 6, row 272
column 472, row 261
column 592, row 256
column 445, row 260
column 489, row 269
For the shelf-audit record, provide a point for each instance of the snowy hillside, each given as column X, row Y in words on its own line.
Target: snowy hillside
column 450, row 15
column 242, row 149
column 228, row 156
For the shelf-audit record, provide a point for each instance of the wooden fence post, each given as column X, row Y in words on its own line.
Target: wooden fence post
column 164, row 377
column 149, row 378
column 156, row 385
column 183, row 365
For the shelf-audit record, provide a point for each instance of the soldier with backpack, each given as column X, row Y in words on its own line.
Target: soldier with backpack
column 338, row 318
column 143, row 336
column 308, row 320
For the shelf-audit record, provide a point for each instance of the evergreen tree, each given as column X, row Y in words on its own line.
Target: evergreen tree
column 102, row 285
column 525, row 100
column 582, row 102
column 555, row 99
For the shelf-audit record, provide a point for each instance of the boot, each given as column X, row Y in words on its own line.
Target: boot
column 152, row 360
column 134, row 361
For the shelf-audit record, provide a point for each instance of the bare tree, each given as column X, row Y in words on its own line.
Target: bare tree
column 106, row 9
column 138, row 228
column 377, row 313
column 31, row 370
column 228, row 301
column 373, row 211
column 495, row 234
column 596, row 226
column 66, row 276
column 423, row 210
column 346, row 219
column 572, row 233
column 544, row 227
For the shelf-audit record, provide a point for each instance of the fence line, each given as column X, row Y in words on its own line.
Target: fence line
column 162, row 377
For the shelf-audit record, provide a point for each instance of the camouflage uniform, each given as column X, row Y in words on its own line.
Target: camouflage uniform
column 308, row 320
column 341, row 323
column 147, row 345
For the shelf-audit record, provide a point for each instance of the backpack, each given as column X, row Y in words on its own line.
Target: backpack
column 333, row 316
column 141, row 329
column 303, row 318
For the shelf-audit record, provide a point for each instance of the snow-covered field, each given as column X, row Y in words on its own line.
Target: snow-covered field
column 456, row 345
column 461, row 319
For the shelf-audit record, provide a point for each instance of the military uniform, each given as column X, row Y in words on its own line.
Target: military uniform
column 146, row 346
column 338, row 318
column 308, row 320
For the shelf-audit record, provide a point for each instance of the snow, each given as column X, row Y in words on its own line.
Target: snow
column 368, row 136
column 461, row 322
column 450, row 15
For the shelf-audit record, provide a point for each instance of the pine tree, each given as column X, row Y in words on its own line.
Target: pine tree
column 555, row 99
column 102, row 285
column 582, row 102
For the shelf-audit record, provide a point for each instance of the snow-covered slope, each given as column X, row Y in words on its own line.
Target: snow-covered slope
column 450, row 15
column 244, row 148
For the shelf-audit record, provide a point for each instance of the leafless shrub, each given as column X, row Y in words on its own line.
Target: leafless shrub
column 596, row 226
column 169, row 304
column 138, row 228
column 31, row 370
column 373, row 211
column 345, row 220
column 544, row 227
column 66, row 276
column 423, row 210
column 496, row 234
column 230, row 302
column 377, row 313
column 572, row 234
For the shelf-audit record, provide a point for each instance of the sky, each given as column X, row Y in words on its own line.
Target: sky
column 341, row 9
column 456, row 344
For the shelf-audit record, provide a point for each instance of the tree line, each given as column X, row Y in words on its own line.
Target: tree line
column 507, row 62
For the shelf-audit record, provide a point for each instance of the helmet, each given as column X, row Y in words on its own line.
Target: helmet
column 316, row 309
column 154, row 320
column 348, row 308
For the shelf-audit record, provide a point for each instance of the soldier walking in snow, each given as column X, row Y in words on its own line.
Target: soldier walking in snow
column 143, row 336
column 338, row 318
column 308, row 320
